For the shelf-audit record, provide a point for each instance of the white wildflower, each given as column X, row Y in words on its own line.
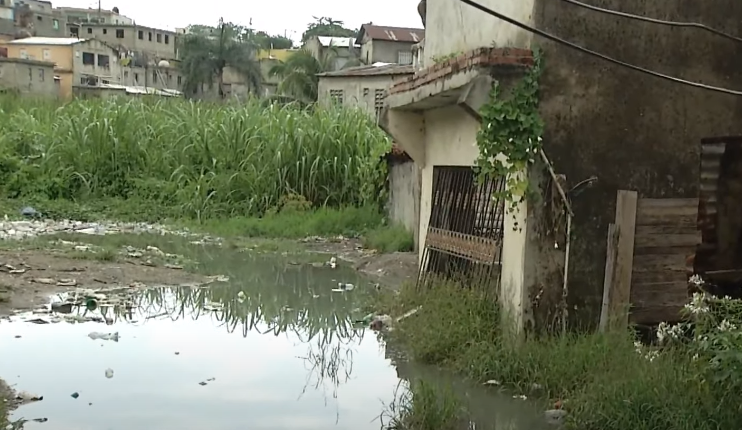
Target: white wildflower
column 698, row 304
column 652, row 355
column 695, row 357
column 727, row 326
column 696, row 280
column 667, row 331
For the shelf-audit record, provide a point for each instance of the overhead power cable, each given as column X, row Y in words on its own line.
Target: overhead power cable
column 654, row 20
column 556, row 39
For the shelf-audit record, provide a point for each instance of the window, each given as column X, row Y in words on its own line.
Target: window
column 404, row 57
column 105, row 31
column 141, row 35
column 180, row 80
column 41, row 75
column 119, row 33
column 104, row 61
column 55, row 24
column 379, row 102
column 336, row 96
column 136, row 78
column 167, row 39
column 159, row 38
column 169, row 78
column 150, row 36
column 30, row 74
column 126, row 74
column 75, row 31
column 38, row 17
column 88, row 58
column 154, row 76
column 90, row 30
column 365, row 92
column 46, row 54
column 83, row 80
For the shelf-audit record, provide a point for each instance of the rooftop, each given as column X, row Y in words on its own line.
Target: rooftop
column 26, row 61
column 376, row 69
column 46, row 41
column 392, row 34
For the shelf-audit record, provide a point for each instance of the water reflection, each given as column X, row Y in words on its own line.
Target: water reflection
column 285, row 354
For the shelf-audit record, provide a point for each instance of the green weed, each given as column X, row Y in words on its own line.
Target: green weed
column 391, row 238
column 605, row 381
column 424, row 407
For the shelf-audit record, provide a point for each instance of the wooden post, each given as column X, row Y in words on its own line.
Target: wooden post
column 610, row 266
column 619, row 294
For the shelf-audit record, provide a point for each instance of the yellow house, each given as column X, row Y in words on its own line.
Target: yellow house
column 76, row 61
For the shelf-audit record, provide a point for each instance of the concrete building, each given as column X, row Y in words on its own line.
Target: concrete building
column 76, row 61
column 27, row 77
column 78, row 15
column 37, row 18
column 631, row 130
column 344, row 48
column 365, row 87
column 388, row 44
column 155, row 44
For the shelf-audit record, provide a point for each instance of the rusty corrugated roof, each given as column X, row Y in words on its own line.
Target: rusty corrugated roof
column 392, row 34
column 378, row 69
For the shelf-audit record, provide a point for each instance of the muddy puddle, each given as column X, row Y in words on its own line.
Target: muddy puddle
column 263, row 341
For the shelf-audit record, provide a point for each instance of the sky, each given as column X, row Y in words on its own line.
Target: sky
column 273, row 16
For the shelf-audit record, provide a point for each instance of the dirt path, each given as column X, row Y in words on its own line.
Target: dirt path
column 28, row 278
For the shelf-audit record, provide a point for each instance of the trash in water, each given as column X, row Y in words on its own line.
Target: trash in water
column 493, row 382
column 75, row 395
column 66, row 283
column 241, row 297
column 61, row 307
column 45, row 281
column 104, row 336
column 332, row 263
column 109, row 373
column 25, row 396
column 342, row 287
column 202, row 383
column 38, row 321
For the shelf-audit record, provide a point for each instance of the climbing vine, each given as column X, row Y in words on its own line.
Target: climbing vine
column 509, row 140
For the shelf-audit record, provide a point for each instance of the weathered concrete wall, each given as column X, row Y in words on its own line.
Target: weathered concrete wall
column 161, row 44
column 27, row 77
column 358, row 91
column 631, row 130
column 404, row 196
column 453, row 27
column 385, row 51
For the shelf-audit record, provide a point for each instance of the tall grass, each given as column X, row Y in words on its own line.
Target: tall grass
column 195, row 159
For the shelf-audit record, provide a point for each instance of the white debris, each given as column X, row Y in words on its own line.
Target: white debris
column 104, row 336
column 109, row 373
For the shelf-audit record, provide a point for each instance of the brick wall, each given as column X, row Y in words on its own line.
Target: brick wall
column 481, row 57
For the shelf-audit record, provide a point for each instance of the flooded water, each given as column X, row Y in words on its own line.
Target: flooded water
column 272, row 347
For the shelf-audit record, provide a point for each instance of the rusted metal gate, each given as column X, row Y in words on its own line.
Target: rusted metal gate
column 464, row 237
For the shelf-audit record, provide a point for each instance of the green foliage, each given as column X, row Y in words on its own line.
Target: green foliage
column 510, row 137
column 325, row 26
column 424, row 406
column 189, row 159
column 605, row 381
column 267, row 41
column 206, row 52
column 298, row 74
column 390, row 238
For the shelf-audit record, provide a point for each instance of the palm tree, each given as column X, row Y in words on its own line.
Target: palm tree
column 205, row 57
column 299, row 72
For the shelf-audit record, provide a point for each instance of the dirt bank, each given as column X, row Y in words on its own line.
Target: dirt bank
column 392, row 269
column 28, row 278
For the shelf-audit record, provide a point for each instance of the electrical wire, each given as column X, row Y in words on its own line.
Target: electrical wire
column 556, row 39
column 654, row 20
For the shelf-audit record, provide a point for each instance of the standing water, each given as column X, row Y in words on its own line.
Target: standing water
column 267, row 345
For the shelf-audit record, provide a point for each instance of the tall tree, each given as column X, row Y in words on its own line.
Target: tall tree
column 207, row 52
column 298, row 74
column 267, row 41
column 326, row 26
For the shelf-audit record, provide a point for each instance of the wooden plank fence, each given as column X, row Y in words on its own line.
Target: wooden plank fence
column 646, row 278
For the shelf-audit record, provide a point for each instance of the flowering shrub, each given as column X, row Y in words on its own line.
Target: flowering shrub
column 712, row 337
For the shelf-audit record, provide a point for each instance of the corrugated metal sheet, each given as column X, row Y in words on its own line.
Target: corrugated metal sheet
column 392, row 34
column 712, row 151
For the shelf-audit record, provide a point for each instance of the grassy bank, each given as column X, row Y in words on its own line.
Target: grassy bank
column 605, row 381
column 252, row 169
